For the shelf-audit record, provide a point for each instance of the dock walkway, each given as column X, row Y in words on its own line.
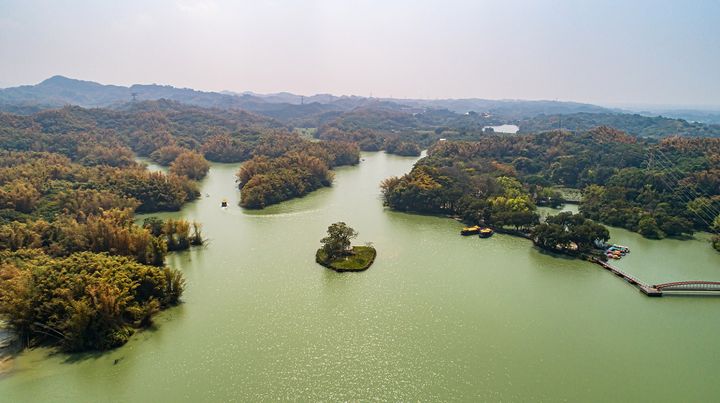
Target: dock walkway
column 646, row 289
column 695, row 287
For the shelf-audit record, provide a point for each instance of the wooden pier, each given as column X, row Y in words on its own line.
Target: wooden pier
column 648, row 290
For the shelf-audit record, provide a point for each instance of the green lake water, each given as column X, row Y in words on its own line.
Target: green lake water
column 437, row 317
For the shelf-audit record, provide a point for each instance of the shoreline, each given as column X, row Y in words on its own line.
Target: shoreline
column 9, row 347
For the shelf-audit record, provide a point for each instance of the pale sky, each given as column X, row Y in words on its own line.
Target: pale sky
column 649, row 52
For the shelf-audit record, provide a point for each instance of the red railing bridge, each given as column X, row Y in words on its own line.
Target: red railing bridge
column 699, row 286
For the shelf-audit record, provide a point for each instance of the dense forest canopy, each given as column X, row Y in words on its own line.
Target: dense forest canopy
column 635, row 124
column 175, row 108
column 85, row 301
column 568, row 231
column 143, row 128
column 659, row 189
column 287, row 166
column 76, row 270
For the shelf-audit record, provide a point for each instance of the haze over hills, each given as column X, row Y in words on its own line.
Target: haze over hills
column 694, row 115
column 58, row 91
column 356, row 112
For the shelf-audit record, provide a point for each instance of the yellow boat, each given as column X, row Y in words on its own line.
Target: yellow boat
column 475, row 229
column 486, row 232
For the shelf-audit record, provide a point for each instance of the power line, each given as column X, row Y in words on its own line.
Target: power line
column 694, row 193
column 702, row 218
column 686, row 191
column 706, row 212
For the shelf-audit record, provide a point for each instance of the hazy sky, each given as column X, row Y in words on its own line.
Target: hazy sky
column 652, row 52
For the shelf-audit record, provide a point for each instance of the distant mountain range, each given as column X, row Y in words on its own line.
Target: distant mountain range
column 58, row 91
column 383, row 113
column 693, row 115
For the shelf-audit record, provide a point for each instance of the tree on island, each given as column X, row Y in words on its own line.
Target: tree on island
column 338, row 254
column 337, row 243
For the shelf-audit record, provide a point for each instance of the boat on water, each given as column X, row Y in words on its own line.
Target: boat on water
column 485, row 232
column 616, row 251
column 475, row 229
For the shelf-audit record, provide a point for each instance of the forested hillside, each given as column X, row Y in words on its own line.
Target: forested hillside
column 659, row 189
column 283, row 165
column 76, row 270
column 633, row 124
column 286, row 166
column 141, row 127
column 461, row 118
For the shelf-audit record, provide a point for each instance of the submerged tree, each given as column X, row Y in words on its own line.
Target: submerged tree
column 196, row 237
column 177, row 233
column 337, row 243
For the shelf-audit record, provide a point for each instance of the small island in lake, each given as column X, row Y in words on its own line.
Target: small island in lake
column 338, row 254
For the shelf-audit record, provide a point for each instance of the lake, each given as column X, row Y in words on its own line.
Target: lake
column 437, row 317
column 511, row 129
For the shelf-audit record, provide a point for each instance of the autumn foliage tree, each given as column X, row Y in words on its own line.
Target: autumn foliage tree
column 19, row 195
column 167, row 154
column 190, row 164
column 223, row 148
column 287, row 166
column 85, row 301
